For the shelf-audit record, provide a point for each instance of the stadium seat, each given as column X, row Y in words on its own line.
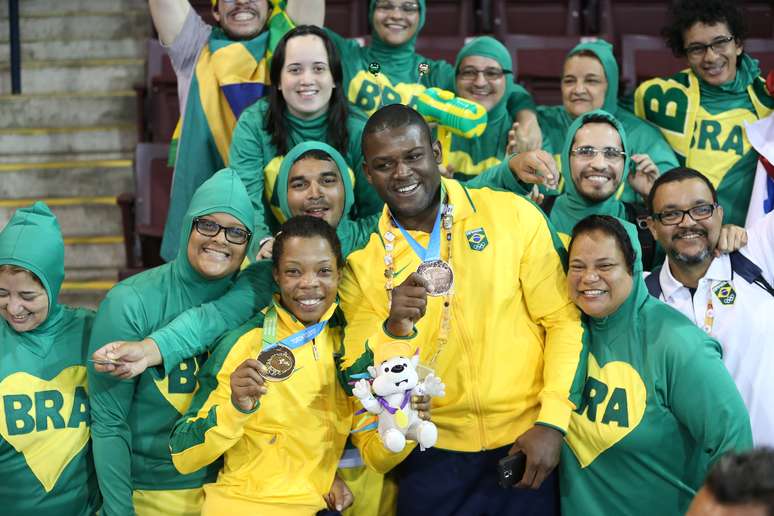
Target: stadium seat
column 145, row 212
column 539, row 18
column 348, row 18
column 538, row 62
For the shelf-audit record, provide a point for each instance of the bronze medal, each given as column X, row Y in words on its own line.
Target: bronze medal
column 279, row 362
column 439, row 276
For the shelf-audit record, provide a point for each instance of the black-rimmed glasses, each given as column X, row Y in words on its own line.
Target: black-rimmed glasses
column 675, row 217
column 210, row 228
column 717, row 45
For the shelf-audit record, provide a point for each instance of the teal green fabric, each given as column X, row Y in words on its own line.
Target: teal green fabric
column 469, row 157
column 46, row 363
column 252, row 153
column 571, row 206
column 291, row 158
column 131, row 420
column 692, row 413
column 400, row 55
column 643, row 137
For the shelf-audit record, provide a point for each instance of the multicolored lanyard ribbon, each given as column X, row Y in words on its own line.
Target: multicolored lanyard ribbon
column 433, row 251
column 293, row 341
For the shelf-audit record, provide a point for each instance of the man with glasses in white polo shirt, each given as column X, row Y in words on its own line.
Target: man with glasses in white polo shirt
column 730, row 296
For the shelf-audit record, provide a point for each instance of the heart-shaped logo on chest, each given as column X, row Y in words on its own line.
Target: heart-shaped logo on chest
column 179, row 387
column 47, row 421
column 612, row 405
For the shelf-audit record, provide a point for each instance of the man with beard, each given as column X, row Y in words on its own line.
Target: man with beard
column 220, row 71
column 729, row 296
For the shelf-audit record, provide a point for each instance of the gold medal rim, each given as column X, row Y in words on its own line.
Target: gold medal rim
column 273, row 351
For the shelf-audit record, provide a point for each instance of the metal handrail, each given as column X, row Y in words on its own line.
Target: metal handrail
column 13, row 20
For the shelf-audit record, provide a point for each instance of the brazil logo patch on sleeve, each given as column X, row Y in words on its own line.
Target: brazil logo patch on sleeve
column 725, row 293
column 477, row 239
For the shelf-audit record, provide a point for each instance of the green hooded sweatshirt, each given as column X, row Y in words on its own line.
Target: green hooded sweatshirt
column 471, row 156
column 657, row 410
column 255, row 158
column 45, row 447
column 571, row 206
column 398, row 79
column 195, row 331
column 644, row 138
column 131, row 420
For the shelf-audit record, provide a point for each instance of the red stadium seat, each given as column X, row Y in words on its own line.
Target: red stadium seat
column 349, row 18
column 539, row 18
column 449, row 18
column 538, row 62
column 145, row 212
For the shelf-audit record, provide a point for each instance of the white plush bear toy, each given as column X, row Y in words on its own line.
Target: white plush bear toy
column 395, row 380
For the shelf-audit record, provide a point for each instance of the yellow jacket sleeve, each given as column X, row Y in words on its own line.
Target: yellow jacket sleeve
column 212, row 424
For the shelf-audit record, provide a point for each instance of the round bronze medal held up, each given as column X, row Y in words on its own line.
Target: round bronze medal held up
column 439, row 276
column 279, row 362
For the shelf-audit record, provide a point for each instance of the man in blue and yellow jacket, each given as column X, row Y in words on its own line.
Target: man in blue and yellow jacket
column 500, row 329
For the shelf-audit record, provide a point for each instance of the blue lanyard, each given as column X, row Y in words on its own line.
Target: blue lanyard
column 433, row 251
column 293, row 341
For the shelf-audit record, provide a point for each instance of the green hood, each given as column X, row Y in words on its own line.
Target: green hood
column 571, row 206
column 604, row 52
column 384, row 53
column 487, row 46
column 224, row 192
column 626, row 319
column 292, row 157
column 33, row 240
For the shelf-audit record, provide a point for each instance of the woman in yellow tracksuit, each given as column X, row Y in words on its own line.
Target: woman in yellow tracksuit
column 280, row 453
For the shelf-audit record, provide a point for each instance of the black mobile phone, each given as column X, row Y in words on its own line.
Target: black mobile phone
column 510, row 469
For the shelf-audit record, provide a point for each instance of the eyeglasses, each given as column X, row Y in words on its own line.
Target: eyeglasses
column 718, row 46
column 490, row 74
column 210, row 228
column 587, row 153
column 675, row 217
column 406, row 7
column 231, row 2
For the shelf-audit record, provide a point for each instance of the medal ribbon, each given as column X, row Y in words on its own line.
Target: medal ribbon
column 433, row 251
column 390, row 409
column 293, row 341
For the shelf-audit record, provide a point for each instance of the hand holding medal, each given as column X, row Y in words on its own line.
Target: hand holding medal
column 247, row 384
column 409, row 303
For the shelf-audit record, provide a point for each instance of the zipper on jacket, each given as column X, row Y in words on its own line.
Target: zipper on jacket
column 474, row 389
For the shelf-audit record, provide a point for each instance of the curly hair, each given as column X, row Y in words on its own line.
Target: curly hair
column 744, row 479
column 613, row 228
column 685, row 13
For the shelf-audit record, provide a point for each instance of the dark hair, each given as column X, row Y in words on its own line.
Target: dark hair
column 306, row 226
column 596, row 118
column 394, row 116
column 611, row 227
column 317, row 154
column 583, row 53
column 338, row 108
column 679, row 174
column 15, row 269
column 744, row 478
column 685, row 13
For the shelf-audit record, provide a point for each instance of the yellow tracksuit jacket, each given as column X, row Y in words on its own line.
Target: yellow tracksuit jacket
column 280, row 458
column 515, row 351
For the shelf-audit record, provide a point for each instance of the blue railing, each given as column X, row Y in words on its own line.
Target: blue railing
column 13, row 20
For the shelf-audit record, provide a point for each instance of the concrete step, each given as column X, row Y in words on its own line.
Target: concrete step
column 77, row 75
column 81, row 274
column 67, row 178
column 26, row 159
column 97, row 216
column 83, row 49
column 60, row 25
column 29, row 7
column 99, row 252
column 67, row 140
column 68, row 109
column 84, row 295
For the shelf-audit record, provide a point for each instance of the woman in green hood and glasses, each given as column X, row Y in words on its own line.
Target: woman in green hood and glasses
column 388, row 71
column 589, row 82
column 132, row 419
column 45, row 448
